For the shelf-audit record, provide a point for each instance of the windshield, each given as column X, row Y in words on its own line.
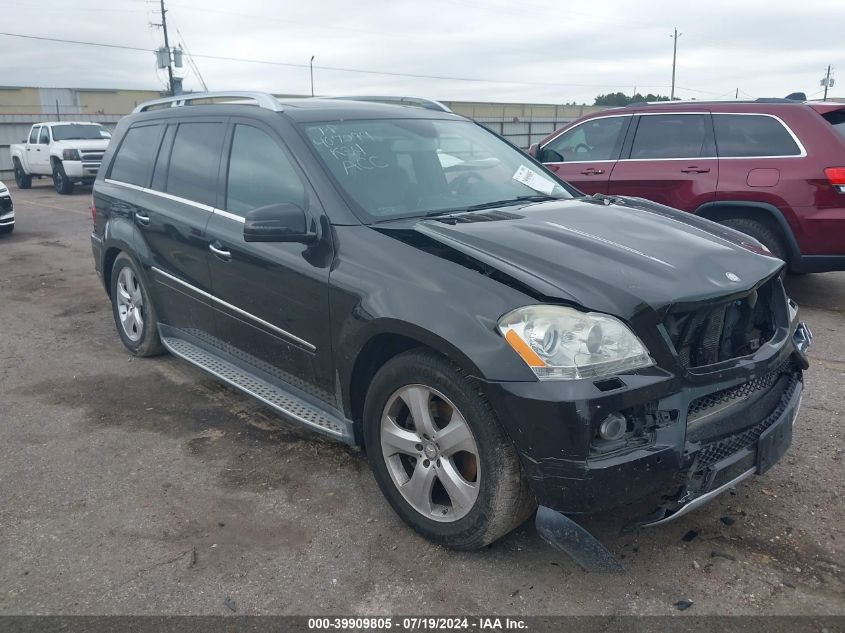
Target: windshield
column 73, row 132
column 414, row 167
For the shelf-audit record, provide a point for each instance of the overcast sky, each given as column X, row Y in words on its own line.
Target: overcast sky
column 523, row 50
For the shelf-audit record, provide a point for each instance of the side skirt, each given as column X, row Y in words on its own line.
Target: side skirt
column 273, row 395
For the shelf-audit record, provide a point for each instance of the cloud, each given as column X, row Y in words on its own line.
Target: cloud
column 532, row 51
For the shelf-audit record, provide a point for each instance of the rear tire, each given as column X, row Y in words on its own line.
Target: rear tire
column 762, row 233
column 63, row 185
column 475, row 490
column 22, row 179
column 133, row 310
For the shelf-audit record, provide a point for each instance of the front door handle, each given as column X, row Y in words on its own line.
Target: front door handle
column 696, row 170
column 592, row 171
column 220, row 252
column 142, row 218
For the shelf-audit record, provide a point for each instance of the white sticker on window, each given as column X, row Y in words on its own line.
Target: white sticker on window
column 534, row 180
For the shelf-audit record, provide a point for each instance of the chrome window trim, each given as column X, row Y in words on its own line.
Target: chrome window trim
column 168, row 196
column 802, row 151
column 236, row 309
column 227, row 214
column 802, row 154
column 579, row 124
column 651, row 160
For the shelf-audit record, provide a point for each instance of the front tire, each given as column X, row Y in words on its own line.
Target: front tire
column 133, row 310
column 22, row 179
column 5, row 230
column 61, row 182
column 439, row 454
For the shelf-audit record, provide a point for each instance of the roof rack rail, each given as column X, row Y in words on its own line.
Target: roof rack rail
column 419, row 102
column 261, row 99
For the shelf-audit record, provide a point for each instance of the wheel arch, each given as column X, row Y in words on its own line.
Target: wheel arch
column 760, row 211
column 379, row 347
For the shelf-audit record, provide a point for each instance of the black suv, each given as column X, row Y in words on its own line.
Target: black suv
column 397, row 277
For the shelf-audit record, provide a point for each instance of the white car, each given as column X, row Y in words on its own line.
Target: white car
column 69, row 151
column 7, row 210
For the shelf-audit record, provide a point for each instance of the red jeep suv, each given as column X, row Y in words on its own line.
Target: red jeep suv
column 772, row 168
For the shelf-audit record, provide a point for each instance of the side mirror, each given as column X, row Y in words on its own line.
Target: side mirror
column 534, row 150
column 285, row 222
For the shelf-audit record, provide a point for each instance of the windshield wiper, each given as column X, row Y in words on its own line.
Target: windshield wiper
column 491, row 205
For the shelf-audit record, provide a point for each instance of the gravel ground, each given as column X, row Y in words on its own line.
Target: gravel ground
column 141, row 486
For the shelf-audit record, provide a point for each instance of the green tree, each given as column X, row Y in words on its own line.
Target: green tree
column 621, row 99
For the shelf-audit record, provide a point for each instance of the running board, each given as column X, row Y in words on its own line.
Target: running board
column 270, row 394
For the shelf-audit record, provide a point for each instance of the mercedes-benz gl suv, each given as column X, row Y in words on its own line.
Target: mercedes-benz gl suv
column 398, row 278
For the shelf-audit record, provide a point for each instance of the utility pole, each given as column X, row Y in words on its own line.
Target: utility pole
column 674, row 59
column 736, row 96
column 826, row 82
column 167, row 46
column 311, row 65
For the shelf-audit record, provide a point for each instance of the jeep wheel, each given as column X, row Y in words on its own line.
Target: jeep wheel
column 60, row 180
column 439, row 454
column 764, row 234
column 134, row 314
column 22, row 179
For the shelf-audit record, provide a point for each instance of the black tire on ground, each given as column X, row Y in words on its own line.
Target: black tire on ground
column 22, row 179
column 4, row 230
column 504, row 500
column 761, row 232
column 61, row 182
column 147, row 342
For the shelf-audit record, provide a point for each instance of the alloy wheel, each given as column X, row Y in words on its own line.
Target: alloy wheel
column 430, row 452
column 130, row 304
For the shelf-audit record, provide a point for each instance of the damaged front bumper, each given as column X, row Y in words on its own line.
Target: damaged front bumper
column 694, row 439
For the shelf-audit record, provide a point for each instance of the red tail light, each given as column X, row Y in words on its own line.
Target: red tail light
column 836, row 176
column 93, row 211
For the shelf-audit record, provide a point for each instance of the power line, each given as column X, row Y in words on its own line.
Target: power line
column 191, row 61
column 355, row 70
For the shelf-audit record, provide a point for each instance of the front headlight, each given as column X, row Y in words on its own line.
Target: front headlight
column 561, row 343
column 70, row 154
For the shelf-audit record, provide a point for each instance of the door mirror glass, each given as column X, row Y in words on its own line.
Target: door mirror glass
column 547, row 155
column 285, row 222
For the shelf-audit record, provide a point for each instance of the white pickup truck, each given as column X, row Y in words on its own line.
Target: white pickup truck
column 69, row 151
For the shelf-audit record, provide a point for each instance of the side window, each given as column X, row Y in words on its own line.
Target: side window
column 194, row 161
column 673, row 136
column 597, row 139
column 44, row 137
column 260, row 173
column 135, row 156
column 752, row 135
column 33, row 135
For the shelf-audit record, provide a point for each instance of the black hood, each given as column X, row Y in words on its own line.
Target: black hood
column 615, row 258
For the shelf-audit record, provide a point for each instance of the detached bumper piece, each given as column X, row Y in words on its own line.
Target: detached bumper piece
column 566, row 535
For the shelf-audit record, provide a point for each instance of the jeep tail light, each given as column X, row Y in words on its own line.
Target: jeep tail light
column 836, row 176
column 93, row 211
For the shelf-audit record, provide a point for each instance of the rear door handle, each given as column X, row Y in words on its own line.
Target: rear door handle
column 696, row 170
column 592, row 171
column 142, row 218
column 218, row 249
